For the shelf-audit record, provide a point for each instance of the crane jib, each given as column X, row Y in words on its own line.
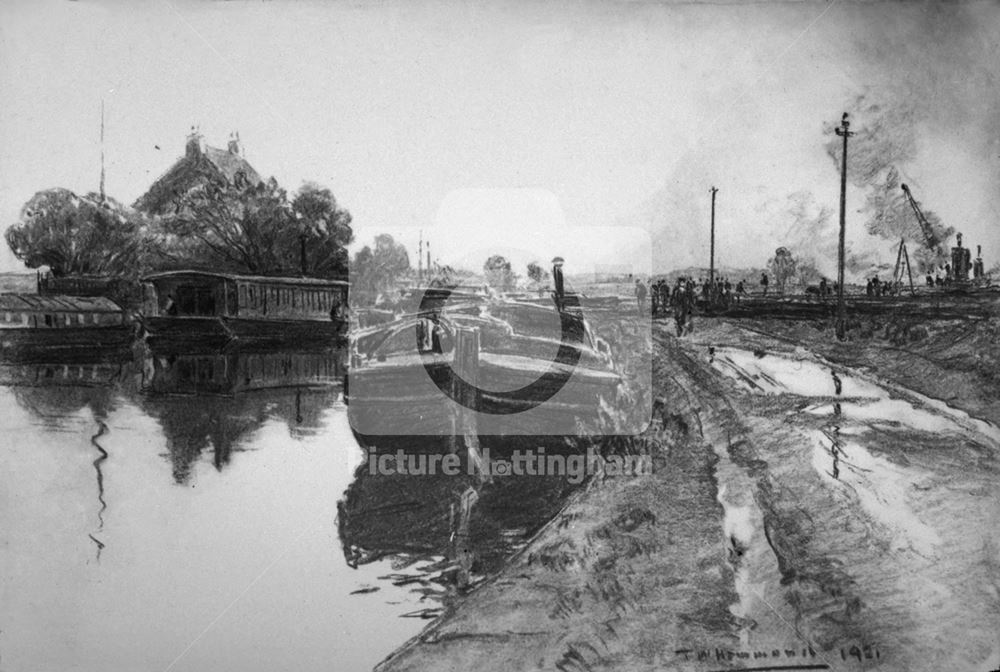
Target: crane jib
column 925, row 226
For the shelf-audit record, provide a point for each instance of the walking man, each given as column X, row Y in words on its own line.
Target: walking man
column 640, row 294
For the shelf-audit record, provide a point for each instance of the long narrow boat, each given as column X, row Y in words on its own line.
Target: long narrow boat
column 200, row 305
column 36, row 328
column 546, row 376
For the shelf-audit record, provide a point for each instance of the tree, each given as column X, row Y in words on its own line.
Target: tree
column 239, row 228
column 324, row 232
column 536, row 273
column 375, row 271
column 444, row 275
column 807, row 272
column 499, row 274
column 782, row 267
column 247, row 228
column 82, row 235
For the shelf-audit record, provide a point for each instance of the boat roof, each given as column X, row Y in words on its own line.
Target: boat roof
column 58, row 303
column 262, row 279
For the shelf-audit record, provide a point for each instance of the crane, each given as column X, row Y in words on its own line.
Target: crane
column 930, row 239
column 929, row 236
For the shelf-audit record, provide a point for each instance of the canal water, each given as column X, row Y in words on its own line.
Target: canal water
column 182, row 515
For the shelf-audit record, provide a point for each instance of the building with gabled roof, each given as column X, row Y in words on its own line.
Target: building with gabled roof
column 200, row 165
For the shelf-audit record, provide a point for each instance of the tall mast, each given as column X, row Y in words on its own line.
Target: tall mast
column 102, row 150
column 420, row 258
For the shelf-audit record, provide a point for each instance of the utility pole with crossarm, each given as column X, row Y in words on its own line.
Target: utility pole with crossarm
column 843, row 132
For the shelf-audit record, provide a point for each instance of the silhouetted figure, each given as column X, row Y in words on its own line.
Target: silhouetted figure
column 679, row 303
column 837, row 384
column 557, row 280
column 764, row 282
column 640, row 294
column 171, row 307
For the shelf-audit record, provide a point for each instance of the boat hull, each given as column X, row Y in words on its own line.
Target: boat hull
column 408, row 401
column 77, row 344
column 223, row 329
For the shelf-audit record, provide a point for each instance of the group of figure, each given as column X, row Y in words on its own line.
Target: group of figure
column 680, row 301
column 939, row 280
column 659, row 296
column 876, row 287
column 724, row 292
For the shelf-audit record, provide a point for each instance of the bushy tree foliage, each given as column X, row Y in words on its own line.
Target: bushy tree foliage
column 499, row 274
column 79, row 235
column 536, row 273
column 257, row 229
column 377, row 270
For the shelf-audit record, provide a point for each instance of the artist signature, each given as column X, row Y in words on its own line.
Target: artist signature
column 797, row 658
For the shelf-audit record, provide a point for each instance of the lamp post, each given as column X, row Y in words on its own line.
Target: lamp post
column 842, row 131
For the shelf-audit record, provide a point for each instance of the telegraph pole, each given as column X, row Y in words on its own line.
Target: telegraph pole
column 711, row 249
column 842, row 131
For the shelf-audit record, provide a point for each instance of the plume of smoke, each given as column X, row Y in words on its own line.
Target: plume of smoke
column 886, row 139
column 891, row 216
column 810, row 231
column 931, row 72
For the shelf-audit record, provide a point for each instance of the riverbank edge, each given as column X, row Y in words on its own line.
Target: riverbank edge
column 632, row 569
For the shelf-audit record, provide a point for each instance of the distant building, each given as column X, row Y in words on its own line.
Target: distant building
column 200, row 165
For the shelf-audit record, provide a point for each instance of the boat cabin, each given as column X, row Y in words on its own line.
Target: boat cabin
column 207, row 294
column 31, row 311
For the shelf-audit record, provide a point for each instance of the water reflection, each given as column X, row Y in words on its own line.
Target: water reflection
column 462, row 529
column 102, row 430
column 103, row 444
column 215, row 400
column 55, row 390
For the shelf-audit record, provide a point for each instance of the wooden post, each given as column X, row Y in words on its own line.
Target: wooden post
column 843, row 132
column 465, row 367
column 909, row 271
column 711, row 252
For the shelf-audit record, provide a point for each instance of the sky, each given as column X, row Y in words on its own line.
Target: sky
column 482, row 122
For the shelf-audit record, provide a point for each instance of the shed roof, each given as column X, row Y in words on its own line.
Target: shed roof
column 58, row 303
column 261, row 279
